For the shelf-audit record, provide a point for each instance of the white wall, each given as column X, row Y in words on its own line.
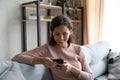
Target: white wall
column 10, row 29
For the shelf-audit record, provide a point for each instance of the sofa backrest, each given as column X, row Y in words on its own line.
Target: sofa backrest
column 96, row 55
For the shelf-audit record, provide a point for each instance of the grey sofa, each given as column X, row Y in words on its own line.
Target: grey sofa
column 96, row 55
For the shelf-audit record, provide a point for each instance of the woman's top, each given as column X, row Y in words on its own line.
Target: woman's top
column 73, row 54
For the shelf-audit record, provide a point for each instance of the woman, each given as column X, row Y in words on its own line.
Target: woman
column 60, row 45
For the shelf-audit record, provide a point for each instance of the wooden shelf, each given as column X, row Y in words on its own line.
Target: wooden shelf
column 46, row 20
column 77, row 21
column 46, row 6
column 30, row 20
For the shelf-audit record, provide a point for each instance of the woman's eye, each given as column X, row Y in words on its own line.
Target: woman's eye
column 57, row 34
column 65, row 33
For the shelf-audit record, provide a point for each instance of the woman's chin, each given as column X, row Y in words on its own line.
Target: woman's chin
column 59, row 43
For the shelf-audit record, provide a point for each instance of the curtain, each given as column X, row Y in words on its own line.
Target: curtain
column 93, row 21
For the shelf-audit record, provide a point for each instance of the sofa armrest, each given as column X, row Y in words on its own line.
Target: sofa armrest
column 10, row 70
column 36, row 72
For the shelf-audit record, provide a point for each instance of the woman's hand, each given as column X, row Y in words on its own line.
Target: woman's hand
column 48, row 62
column 67, row 67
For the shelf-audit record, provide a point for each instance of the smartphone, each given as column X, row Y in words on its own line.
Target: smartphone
column 59, row 61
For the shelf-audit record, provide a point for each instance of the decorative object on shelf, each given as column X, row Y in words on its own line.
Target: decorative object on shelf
column 76, row 32
column 63, row 1
column 49, row 2
column 58, row 3
column 74, row 5
column 41, row 1
column 68, row 5
column 79, row 3
column 49, row 17
column 32, row 16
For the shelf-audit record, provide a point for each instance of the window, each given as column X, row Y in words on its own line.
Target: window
column 111, row 23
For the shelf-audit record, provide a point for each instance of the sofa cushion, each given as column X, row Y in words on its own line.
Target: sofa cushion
column 96, row 55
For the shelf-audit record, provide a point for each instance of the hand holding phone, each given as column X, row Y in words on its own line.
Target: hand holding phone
column 59, row 61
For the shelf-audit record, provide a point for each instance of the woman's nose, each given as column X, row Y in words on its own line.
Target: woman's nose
column 61, row 37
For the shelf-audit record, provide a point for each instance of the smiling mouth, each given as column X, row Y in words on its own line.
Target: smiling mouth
column 60, row 41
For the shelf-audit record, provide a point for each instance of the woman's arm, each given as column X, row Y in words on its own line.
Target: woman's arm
column 46, row 61
column 82, row 75
column 34, row 56
column 85, row 73
column 23, row 58
column 31, row 60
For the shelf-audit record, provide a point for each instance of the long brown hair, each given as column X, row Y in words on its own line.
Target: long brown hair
column 57, row 21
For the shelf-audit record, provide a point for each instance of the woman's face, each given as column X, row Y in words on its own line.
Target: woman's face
column 61, row 35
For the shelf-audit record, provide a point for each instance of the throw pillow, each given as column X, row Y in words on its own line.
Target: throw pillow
column 114, row 66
